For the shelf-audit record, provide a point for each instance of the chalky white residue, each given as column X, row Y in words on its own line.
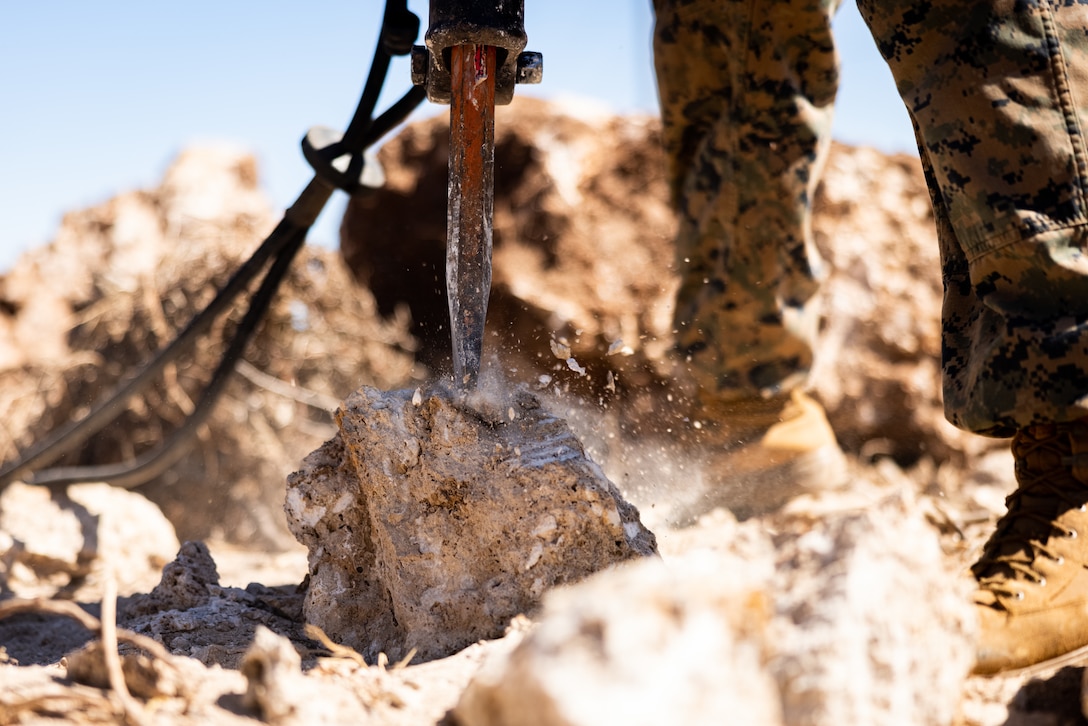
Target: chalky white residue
column 342, row 502
column 560, row 349
column 433, row 596
column 612, row 516
column 429, row 547
column 298, row 510
column 534, row 555
column 547, row 527
column 537, row 588
column 563, row 162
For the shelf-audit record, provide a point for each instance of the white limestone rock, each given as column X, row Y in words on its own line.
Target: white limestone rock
column 67, row 540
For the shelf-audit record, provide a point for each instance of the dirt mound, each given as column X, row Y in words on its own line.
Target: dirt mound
column 582, row 247
column 122, row 278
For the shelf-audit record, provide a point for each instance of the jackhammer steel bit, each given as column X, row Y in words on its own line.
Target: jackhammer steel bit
column 471, row 61
column 471, row 197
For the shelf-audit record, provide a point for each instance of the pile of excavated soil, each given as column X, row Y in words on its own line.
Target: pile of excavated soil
column 135, row 270
column 848, row 607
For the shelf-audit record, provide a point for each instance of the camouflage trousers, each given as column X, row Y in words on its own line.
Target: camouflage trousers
column 997, row 91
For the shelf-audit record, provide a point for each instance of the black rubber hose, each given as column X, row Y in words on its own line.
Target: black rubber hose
column 71, row 435
column 156, row 461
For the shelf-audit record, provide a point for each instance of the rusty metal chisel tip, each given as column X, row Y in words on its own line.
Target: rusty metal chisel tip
column 471, row 203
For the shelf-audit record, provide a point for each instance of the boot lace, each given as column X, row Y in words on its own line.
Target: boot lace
column 1047, row 489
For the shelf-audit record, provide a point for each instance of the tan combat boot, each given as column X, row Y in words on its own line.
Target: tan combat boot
column 1032, row 599
column 760, row 454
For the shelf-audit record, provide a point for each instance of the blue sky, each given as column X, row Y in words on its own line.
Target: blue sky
column 98, row 97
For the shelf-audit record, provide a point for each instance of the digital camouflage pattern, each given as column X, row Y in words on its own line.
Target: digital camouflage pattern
column 997, row 92
column 746, row 95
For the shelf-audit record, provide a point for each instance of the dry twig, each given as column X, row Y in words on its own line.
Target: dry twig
column 17, row 606
column 337, row 650
column 134, row 713
column 272, row 384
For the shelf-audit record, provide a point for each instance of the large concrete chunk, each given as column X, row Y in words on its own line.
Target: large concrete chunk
column 873, row 626
column 852, row 620
column 432, row 521
column 651, row 643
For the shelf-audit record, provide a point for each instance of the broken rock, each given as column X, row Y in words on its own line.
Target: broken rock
column 51, row 541
column 432, row 521
column 873, row 627
column 191, row 614
column 852, row 619
column 650, row 643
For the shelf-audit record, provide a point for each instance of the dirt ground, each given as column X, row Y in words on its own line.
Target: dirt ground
column 196, row 574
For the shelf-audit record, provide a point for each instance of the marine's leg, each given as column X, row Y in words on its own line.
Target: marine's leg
column 746, row 93
column 998, row 93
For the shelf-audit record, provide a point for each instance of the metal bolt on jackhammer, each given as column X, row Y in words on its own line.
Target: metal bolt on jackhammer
column 530, row 66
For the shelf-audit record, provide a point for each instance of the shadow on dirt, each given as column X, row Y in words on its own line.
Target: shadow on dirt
column 1055, row 700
